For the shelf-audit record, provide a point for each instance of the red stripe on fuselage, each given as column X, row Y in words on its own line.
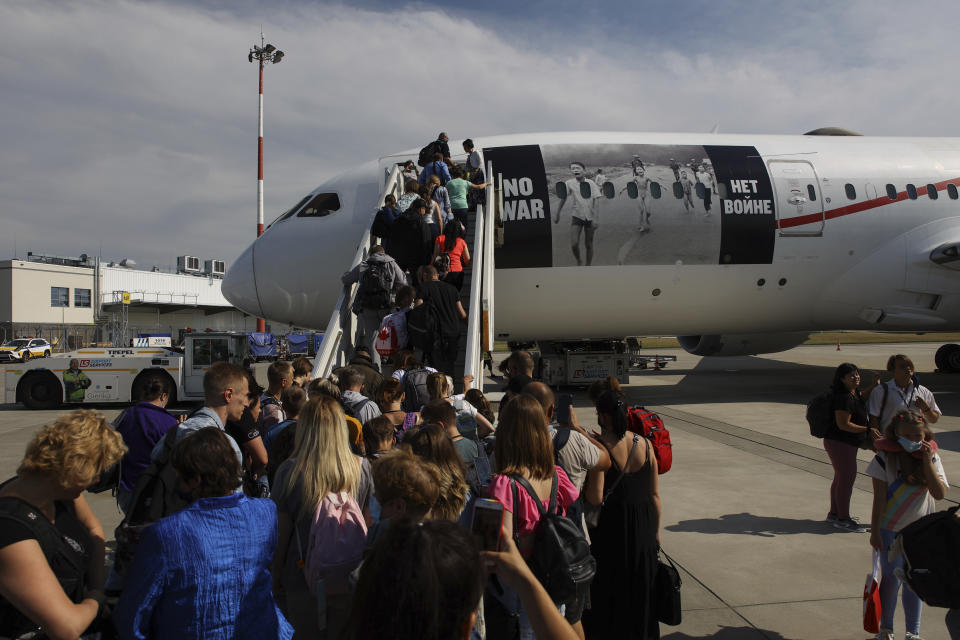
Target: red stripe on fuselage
column 860, row 206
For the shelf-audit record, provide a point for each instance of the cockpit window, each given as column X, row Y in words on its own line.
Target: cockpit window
column 322, row 204
column 289, row 212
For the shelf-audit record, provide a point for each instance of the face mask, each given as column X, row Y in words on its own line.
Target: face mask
column 909, row 445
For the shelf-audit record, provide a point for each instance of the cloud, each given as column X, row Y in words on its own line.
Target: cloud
column 133, row 124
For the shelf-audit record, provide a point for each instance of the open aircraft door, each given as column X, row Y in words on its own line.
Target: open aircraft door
column 797, row 198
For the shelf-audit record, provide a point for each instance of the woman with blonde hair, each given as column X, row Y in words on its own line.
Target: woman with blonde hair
column 524, row 449
column 51, row 544
column 321, row 463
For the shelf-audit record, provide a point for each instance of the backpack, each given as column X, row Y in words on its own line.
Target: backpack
column 820, row 414
column 423, row 327
column 426, row 154
column 154, row 497
column 388, row 338
column 338, row 535
column 376, row 283
column 442, row 264
column 931, row 565
column 415, row 393
column 650, row 426
column 561, row 557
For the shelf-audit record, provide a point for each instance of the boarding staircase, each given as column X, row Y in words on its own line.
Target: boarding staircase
column 476, row 334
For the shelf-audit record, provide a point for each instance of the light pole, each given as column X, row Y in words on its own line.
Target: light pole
column 263, row 53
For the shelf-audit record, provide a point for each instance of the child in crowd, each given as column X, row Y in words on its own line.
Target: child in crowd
column 908, row 479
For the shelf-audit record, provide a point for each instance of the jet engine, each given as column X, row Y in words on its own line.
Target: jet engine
column 743, row 344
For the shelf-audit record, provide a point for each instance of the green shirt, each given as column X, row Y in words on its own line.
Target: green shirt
column 458, row 188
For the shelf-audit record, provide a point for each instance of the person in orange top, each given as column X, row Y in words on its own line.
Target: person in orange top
column 450, row 243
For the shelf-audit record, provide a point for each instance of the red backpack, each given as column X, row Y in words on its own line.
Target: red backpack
column 650, row 426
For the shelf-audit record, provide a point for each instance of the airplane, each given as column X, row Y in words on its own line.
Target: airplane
column 737, row 244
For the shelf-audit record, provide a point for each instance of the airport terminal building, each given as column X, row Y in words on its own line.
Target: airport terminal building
column 75, row 302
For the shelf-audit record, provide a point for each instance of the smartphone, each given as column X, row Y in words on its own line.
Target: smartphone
column 564, row 401
column 487, row 522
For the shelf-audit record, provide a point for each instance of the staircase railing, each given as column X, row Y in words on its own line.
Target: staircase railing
column 337, row 346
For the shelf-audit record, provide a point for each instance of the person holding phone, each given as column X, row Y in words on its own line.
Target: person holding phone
column 902, row 393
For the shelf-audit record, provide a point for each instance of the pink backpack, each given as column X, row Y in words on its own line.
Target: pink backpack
column 336, row 542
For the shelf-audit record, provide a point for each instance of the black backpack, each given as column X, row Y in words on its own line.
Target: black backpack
column 820, row 414
column 931, row 558
column 423, row 326
column 561, row 557
column 426, row 154
column 560, row 440
column 375, row 286
column 415, row 393
column 154, row 497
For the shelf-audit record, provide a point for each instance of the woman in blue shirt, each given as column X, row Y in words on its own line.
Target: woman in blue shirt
column 193, row 575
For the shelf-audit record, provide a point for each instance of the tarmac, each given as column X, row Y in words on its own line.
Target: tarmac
column 745, row 502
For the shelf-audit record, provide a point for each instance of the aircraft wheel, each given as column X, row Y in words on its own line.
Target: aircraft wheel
column 947, row 358
column 42, row 391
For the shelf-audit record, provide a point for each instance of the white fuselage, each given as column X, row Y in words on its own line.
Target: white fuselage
column 809, row 217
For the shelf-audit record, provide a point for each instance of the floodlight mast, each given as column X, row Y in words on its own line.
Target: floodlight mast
column 263, row 53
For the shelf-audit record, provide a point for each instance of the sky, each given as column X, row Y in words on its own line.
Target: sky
column 129, row 128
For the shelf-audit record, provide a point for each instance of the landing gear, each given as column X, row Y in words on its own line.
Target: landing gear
column 947, row 358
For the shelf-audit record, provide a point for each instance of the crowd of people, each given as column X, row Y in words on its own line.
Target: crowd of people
column 372, row 481
column 421, row 256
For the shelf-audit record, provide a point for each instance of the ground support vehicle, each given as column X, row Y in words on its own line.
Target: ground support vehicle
column 582, row 362
column 108, row 374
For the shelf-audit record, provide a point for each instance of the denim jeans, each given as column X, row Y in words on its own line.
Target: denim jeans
column 890, row 585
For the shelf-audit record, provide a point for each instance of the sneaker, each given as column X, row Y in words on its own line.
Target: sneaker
column 885, row 634
column 849, row 524
column 912, row 636
column 831, row 517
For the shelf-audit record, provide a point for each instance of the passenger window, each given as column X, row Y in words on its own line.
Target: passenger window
column 701, row 191
column 632, row 191
column 851, row 191
column 655, row 190
column 932, row 192
column 322, row 204
column 677, row 190
column 585, row 191
column 952, row 191
column 722, row 190
column 609, row 190
column 891, row 192
column 912, row 192
column 561, row 190
column 812, row 193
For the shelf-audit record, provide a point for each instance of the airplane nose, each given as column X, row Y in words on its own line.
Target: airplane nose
column 240, row 284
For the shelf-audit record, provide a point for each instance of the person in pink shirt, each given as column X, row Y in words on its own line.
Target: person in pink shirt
column 524, row 448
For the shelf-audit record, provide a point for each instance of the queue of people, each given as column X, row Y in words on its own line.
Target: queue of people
column 373, row 485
